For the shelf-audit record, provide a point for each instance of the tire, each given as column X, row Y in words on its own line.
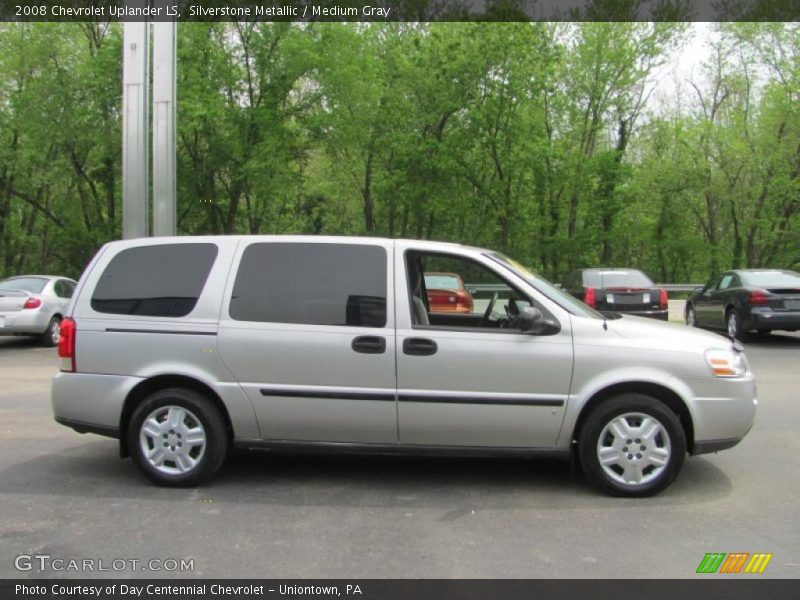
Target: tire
column 691, row 316
column 195, row 418
column 52, row 334
column 629, row 456
column 733, row 325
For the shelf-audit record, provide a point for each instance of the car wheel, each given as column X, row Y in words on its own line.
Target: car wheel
column 632, row 445
column 178, row 437
column 691, row 317
column 52, row 334
column 733, row 323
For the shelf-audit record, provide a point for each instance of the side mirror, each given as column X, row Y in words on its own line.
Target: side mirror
column 533, row 322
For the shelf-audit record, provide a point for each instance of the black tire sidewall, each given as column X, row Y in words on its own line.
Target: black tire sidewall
column 213, row 424
column 741, row 332
column 47, row 336
column 690, row 309
column 613, row 407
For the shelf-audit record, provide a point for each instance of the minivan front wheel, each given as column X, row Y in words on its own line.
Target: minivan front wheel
column 177, row 437
column 632, row 445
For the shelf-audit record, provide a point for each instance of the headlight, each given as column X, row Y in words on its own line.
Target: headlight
column 726, row 363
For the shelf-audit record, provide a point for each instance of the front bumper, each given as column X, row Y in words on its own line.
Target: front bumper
column 714, row 445
column 723, row 412
column 29, row 322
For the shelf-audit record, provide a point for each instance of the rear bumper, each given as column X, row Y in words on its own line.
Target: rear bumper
column 32, row 322
column 769, row 320
column 82, row 427
column 661, row 315
column 90, row 403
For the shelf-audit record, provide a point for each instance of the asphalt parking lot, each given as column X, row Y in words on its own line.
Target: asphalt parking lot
column 285, row 516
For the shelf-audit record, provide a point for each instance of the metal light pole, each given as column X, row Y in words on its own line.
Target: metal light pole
column 136, row 125
column 164, row 83
column 135, row 85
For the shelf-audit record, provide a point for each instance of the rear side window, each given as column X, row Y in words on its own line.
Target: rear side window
column 311, row 284
column 155, row 281
column 26, row 284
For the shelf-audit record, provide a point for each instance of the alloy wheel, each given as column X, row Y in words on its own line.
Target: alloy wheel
column 733, row 324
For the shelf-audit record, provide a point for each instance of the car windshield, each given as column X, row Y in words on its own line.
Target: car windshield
column 441, row 282
column 563, row 299
column 772, row 279
column 27, row 284
column 615, row 278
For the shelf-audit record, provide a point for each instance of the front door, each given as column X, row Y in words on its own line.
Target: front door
column 308, row 333
column 473, row 378
column 706, row 308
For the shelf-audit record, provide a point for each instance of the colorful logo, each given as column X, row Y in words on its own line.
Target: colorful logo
column 735, row 562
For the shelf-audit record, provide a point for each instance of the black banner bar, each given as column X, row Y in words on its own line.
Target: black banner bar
column 381, row 11
column 748, row 587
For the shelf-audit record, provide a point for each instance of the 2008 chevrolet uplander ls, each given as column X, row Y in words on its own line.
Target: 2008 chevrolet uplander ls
column 183, row 347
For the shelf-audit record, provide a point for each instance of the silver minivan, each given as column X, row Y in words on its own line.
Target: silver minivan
column 185, row 347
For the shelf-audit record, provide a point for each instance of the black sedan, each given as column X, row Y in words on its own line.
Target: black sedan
column 626, row 291
column 746, row 300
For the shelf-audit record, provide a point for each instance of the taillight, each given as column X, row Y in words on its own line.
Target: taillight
column 66, row 343
column 32, row 303
column 590, row 298
column 758, row 298
column 663, row 299
column 464, row 299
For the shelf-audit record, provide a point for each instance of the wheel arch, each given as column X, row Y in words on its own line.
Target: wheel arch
column 160, row 382
column 669, row 397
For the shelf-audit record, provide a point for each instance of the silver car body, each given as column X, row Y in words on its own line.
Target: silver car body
column 17, row 320
column 302, row 384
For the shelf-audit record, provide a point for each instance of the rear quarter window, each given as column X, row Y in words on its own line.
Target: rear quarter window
column 154, row 281
column 311, row 284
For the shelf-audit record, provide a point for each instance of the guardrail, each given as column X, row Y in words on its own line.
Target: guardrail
column 680, row 287
column 477, row 288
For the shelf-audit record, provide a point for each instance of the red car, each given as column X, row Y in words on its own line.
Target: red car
column 447, row 294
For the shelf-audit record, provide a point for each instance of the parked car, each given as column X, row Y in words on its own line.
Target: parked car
column 626, row 291
column 184, row 347
column 447, row 294
column 747, row 300
column 34, row 305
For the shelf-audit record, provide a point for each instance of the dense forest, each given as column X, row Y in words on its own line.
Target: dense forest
column 543, row 140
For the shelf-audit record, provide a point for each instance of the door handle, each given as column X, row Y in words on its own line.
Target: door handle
column 369, row 344
column 419, row 346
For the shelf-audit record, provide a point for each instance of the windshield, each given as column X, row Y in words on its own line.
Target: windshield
column 28, row 284
column 560, row 297
column 613, row 278
column 772, row 279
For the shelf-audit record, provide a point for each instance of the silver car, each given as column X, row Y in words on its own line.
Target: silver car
column 34, row 305
column 185, row 347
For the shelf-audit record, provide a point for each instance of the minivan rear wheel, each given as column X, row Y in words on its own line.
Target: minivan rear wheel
column 177, row 437
column 632, row 445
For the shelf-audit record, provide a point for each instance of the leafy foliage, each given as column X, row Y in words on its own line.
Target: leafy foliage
column 537, row 139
